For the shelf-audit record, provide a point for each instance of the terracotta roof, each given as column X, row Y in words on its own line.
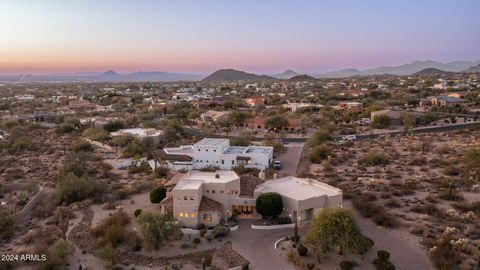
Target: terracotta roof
column 208, row 204
column 248, row 184
column 294, row 122
column 162, row 155
column 257, row 121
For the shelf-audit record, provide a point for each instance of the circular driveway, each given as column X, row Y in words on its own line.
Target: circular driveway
column 257, row 246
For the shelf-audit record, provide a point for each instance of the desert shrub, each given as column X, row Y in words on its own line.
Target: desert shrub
column 95, row 134
column 302, row 250
column 6, row 224
column 65, row 128
column 220, row 231
column 269, row 204
column 157, row 230
column 108, row 255
column 376, row 212
column 57, row 255
column 381, row 121
column 346, row 265
column 137, row 212
column 83, row 147
column 284, row 220
column 72, row 188
column 374, row 158
column 158, row 194
column 383, row 255
column 319, row 153
column 320, row 136
column 112, row 126
column 162, row 172
column 209, row 236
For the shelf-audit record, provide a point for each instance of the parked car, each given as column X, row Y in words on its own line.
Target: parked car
column 350, row 138
column 277, row 165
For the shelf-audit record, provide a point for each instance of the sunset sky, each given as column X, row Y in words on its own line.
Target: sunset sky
column 259, row 36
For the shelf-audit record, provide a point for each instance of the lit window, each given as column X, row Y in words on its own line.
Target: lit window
column 207, row 217
column 194, row 215
column 181, row 214
column 186, row 215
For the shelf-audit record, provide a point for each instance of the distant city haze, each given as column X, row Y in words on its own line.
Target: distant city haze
column 267, row 37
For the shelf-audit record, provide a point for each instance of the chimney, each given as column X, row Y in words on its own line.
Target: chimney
column 261, row 175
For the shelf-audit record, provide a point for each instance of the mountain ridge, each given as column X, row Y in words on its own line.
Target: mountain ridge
column 231, row 75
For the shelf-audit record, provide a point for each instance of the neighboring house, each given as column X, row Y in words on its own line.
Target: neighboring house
column 447, row 101
column 213, row 116
column 394, row 116
column 256, row 101
column 293, row 107
column 81, row 104
column 209, row 103
column 351, row 106
column 142, row 134
column 208, row 197
column 258, row 122
column 43, row 116
column 210, row 152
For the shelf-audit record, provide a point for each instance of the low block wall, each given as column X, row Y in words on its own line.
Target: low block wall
column 273, row 227
column 24, row 213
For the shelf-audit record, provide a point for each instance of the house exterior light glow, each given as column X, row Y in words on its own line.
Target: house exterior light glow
column 207, row 197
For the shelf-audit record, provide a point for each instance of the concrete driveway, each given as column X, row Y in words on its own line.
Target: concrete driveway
column 290, row 157
column 257, row 246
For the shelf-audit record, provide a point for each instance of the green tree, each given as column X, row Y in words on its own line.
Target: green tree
column 320, row 136
column 269, row 204
column 244, row 139
column 381, row 121
column 237, row 118
column 276, row 122
column 157, row 229
column 335, row 229
column 158, row 194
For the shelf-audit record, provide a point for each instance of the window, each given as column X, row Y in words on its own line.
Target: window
column 233, row 162
column 181, row 214
column 223, row 161
column 191, row 198
column 206, row 150
column 221, row 191
column 236, row 192
column 186, row 215
column 179, row 198
column 208, row 191
column 194, row 215
column 213, row 190
column 214, row 150
column 198, row 150
column 185, row 198
column 207, row 217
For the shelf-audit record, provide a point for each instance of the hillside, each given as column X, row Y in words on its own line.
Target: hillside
column 286, row 75
column 473, row 69
column 231, row 75
column 302, row 78
column 432, row 72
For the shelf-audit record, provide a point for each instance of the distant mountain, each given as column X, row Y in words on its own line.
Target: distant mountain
column 302, row 78
column 473, row 69
column 110, row 73
column 432, row 72
column 107, row 76
column 406, row 69
column 286, row 75
column 231, row 75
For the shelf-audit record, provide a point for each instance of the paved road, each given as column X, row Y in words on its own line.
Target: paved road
column 290, row 158
column 257, row 246
column 431, row 129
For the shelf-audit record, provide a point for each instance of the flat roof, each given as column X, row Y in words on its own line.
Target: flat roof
column 235, row 150
column 211, row 142
column 194, row 179
column 143, row 132
column 299, row 188
column 259, row 149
